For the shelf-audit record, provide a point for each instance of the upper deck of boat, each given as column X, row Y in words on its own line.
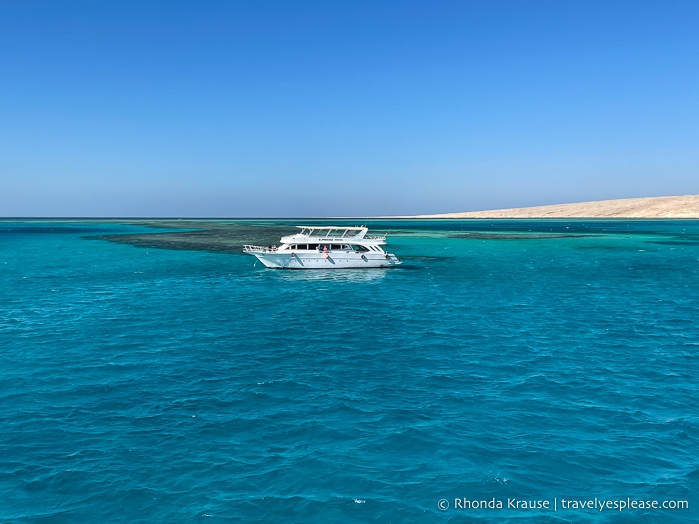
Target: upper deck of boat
column 333, row 233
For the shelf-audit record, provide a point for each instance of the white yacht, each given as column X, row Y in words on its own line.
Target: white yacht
column 327, row 247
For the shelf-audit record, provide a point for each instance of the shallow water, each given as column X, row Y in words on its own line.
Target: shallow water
column 537, row 360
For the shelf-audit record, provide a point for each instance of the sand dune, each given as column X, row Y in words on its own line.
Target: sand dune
column 652, row 207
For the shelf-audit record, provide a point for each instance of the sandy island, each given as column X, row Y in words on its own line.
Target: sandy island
column 651, row 207
column 219, row 236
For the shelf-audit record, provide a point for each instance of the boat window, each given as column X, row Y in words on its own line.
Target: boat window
column 362, row 249
column 312, row 246
column 336, row 246
column 292, row 246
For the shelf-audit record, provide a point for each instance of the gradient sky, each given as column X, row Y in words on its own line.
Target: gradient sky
column 312, row 108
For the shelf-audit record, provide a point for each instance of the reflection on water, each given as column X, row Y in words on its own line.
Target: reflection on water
column 329, row 275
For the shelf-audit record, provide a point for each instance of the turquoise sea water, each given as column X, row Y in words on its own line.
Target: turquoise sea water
column 154, row 385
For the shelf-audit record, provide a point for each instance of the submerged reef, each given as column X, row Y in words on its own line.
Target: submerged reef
column 199, row 235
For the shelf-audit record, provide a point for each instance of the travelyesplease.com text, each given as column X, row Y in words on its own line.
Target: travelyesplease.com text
column 560, row 504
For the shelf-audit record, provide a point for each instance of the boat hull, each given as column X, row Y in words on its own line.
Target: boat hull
column 321, row 261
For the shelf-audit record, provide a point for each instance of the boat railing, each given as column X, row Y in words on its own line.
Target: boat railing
column 258, row 249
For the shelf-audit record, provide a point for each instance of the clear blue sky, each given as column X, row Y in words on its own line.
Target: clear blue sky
column 312, row 108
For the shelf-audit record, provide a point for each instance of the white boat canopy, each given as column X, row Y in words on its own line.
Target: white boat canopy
column 333, row 231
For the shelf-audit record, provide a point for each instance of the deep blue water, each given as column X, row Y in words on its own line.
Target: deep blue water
column 153, row 385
